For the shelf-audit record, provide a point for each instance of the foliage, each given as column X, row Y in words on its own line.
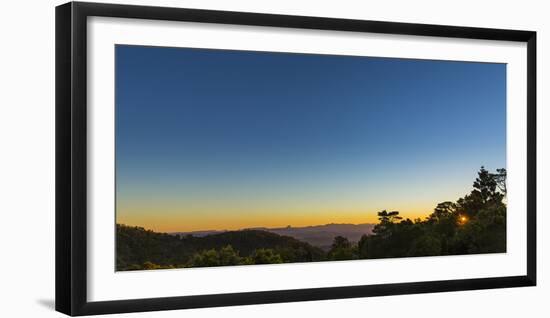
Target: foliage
column 138, row 249
column 475, row 223
column 266, row 256
column 341, row 249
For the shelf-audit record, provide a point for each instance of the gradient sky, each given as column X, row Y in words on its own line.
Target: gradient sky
column 217, row 139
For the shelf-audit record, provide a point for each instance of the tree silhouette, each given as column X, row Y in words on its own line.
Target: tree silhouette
column 474, row 223
column 388, row 217
column 500, row 179
column 443, row 211
column 266, row 256
column 228, row 256
column 386, row 225
column 341, row 249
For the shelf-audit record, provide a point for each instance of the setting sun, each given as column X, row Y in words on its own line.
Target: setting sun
column 227, row 157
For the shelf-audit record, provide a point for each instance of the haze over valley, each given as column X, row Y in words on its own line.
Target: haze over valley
column 317, row 235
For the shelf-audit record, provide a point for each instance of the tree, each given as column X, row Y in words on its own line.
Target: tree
column 443, row 211
column 442, row 226
column 474, row 223
column 500, row 179
column 388, row 217
column 228, row 256
column 363, row 246
column 485, row 187
column 205, row 258
column 384, row 228
column 340, row 242
column 426, row 245
column 341, row 249
column 266, row 256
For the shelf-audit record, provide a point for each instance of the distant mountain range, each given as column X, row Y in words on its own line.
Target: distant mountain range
column 135, row 246
column 316, row 235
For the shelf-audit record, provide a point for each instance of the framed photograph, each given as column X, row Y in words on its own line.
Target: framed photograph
column 208, row 158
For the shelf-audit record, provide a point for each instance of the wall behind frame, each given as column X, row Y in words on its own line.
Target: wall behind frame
column 27, row 157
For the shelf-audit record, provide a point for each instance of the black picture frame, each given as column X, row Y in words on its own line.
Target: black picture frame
column 71, row 157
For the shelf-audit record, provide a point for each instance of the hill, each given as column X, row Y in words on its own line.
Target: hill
column 323, row 235
column 473, row 224
column 137, row 246
column 317, row 235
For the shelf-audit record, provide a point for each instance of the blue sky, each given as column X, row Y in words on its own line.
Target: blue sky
column 240, row 137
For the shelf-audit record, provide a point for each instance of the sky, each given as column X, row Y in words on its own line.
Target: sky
column 219, row 139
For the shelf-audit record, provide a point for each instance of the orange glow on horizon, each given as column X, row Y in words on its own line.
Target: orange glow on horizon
column 201, row 222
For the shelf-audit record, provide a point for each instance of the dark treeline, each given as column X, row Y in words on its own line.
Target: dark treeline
column 138, row 248
column 475, row 223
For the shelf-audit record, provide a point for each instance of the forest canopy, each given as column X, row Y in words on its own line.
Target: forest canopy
column 473, row 224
